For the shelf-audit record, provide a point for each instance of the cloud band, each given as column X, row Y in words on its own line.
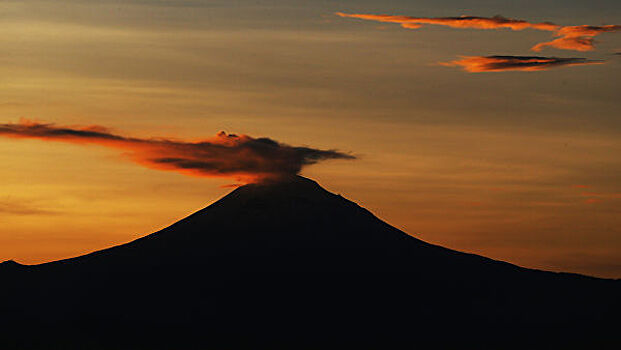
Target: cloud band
column 243, row 157
column 477, row 64
column 578, row 38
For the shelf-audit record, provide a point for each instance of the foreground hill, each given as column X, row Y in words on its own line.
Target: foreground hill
column 291, row 264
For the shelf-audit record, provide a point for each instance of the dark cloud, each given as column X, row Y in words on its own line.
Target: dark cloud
column 225, row 155
column 476, row 64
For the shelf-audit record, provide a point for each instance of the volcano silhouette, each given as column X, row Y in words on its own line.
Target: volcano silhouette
column 290, row 264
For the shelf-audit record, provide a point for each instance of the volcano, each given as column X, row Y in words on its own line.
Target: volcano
column 290, row 264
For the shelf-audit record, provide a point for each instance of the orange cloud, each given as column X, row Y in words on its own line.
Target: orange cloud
column 596, row 197
column 592, row 200
column 477, row 64
column 242, row 157
column 602, row 195
column 496, row 22
column 579, row 38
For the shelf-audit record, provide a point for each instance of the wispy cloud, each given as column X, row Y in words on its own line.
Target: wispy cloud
column 477, row 64
column 601, row 195
column 580, row 186
column 579, row 38
column 593, row 197
column 496, row 22
column 21, row 207
column 242, row 157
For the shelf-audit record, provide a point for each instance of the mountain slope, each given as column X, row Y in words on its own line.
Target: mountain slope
column 289, row 263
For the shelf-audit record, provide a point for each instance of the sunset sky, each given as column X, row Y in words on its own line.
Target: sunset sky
column 498, row 133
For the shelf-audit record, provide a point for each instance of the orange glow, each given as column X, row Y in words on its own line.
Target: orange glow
column 242, row 157
column 496, row 22
column 477, row 64
column 578, row 38
column 432, row 140
column 603, row 195
column 579, row 43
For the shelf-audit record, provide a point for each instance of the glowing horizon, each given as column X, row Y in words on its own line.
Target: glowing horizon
column 463, row 136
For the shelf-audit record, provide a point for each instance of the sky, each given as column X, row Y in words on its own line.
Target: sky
column 497, row 133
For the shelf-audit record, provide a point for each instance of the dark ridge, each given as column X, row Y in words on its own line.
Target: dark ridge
column 10, row 264
column 288, row 264
column 290, row 187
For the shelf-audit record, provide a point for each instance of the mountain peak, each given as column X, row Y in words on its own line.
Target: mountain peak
column 284, row 187
column 282, row 258
column 297, row 182
column 10, row 264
